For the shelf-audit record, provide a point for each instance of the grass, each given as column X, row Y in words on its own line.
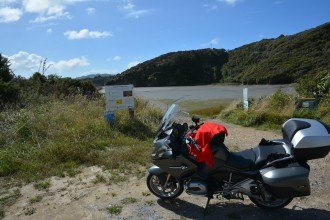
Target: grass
column 55, row 138
column 201, row 107
column 35, row 199
column 269, row 113
column 43, row 185
column 99, row 179
column 8, row 200
column 128, row 200
column 115, row 209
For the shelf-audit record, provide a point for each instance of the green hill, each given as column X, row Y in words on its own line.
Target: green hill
column 177, row 68
column 281, row 60
column 271, row 61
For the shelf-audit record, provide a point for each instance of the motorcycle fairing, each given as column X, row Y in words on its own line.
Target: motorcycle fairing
column 178, row 166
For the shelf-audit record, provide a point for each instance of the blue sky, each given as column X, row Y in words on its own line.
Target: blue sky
column 80, row 37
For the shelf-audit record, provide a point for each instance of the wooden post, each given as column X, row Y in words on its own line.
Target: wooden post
column 131, row 112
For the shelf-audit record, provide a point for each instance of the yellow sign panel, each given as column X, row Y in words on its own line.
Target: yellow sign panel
column 119, row 101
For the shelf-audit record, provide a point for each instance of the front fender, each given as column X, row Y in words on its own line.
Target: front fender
column 155, row 170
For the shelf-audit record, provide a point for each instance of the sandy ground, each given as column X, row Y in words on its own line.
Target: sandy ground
column 81, row 198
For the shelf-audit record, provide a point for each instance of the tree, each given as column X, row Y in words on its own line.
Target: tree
column 315, row 85
column 8, row 91
column 6, row 75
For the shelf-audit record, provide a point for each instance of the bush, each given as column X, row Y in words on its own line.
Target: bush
column 266, row 112
column 56, row 137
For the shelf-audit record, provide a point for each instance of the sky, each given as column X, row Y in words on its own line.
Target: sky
column 81, row 37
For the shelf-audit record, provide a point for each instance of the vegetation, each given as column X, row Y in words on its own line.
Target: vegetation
column 20, row 92
column 180, row 68
column 55, row 137
column 8, row 200
column 282, row 60
column 115, row 209
column 271, row 112
column 8, row 90
column 270, row 61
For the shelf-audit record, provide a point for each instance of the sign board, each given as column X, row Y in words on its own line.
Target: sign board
column 306, row 103
column 119, row 97
column 245, row 99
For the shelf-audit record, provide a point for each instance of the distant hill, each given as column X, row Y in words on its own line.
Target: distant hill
column 97, row 79
column 269, row 61
column 281, row 60
column 90, row 76
column 178, row 68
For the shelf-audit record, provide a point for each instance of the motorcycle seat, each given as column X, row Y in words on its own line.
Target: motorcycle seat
column 243, row 160
column 264, row 153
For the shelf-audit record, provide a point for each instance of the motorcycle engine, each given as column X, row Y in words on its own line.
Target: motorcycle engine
column 196, row 188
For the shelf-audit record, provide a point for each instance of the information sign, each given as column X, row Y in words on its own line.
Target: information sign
column 119, row 97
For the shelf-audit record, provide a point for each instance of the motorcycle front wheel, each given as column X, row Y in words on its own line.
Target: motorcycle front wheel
column 164, row 186
column 271, row 203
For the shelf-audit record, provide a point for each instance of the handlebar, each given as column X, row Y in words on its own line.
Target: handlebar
column 190, row 140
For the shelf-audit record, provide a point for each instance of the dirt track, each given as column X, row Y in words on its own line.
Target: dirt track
column 79, row 198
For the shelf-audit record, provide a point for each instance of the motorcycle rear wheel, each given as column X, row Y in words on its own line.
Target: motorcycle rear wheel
column 173, row 188
column 271, row 203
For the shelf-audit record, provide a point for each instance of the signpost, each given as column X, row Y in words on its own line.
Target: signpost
column 118, row 97
column 245, row 99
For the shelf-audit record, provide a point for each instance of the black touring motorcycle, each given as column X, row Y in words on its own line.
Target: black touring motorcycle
column 270, row 174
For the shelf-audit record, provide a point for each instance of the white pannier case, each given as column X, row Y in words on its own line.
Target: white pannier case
column 309, row 139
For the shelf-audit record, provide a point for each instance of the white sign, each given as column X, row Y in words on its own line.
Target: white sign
column 245, row 99
column 119, row 97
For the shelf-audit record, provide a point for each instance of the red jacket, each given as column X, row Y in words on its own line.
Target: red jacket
column 203, row 136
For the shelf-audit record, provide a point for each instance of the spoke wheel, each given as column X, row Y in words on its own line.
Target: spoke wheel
column 156, row 184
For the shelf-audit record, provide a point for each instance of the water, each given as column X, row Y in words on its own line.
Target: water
column 211, row 91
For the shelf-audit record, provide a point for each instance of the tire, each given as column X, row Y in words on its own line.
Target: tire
column 271, row 203
column 173, row 189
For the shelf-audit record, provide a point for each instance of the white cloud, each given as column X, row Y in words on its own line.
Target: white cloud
column 52, row 13
column 137, row 14
column 210, row 7
column 229, row 2
column 129, row 9
column 117, row 58
column 132, row 64
column 211, row 43
column 36, row 6
column 46, row 9
column 86, row 34
column 214, row 41
column 66, row 65
column 5, row 2
column 49, row 30
column 90, row 11
column 25, row 64
column 8, row 15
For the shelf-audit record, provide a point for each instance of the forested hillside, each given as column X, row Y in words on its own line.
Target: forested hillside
column 177, row 68
column 281, row 60
column 270, row 61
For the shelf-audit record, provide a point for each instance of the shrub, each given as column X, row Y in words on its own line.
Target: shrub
column 58, row 136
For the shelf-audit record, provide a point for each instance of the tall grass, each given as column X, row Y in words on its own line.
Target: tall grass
column 271, row 112
column 56, row 137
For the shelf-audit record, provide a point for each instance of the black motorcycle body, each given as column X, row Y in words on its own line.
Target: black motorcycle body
column 270, row 174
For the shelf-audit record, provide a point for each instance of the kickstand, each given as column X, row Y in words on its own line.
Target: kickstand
column 207, row 204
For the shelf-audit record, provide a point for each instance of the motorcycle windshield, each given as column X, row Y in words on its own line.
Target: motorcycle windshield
column 168, row 118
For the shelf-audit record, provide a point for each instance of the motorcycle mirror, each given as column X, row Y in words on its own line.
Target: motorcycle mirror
column 195, row 119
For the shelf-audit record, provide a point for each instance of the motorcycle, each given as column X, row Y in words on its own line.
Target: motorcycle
column 270, row 174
